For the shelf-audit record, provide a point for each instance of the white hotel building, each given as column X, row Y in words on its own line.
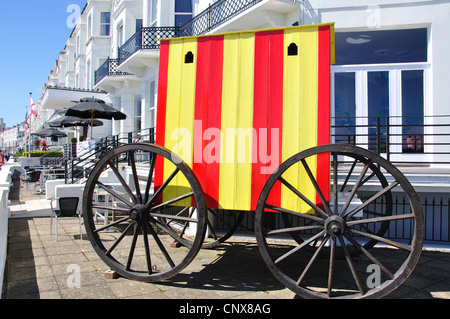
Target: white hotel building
column 389, row 85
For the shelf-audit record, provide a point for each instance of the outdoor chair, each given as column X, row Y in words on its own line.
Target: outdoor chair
column 32, row 177
column 67, row 207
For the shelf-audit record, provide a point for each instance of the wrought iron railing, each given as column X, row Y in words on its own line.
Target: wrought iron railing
column 215, row 15
column 147, row 38
column 108, row 68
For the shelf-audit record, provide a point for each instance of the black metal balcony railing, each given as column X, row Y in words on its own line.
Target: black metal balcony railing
column 215, row 15
column 108, row 68
column 147, row 38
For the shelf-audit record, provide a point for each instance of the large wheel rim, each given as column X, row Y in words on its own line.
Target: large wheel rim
column 335, row 233
column 137, row 245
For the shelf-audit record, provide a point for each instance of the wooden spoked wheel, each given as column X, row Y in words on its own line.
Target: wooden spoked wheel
column 352, row 245
column 123, row 212
column 228, row 222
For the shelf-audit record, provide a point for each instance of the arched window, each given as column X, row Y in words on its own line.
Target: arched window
column 292, row 49
column 189, row 57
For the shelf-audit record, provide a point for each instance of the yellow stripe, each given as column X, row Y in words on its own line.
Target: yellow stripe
column 180, row 112
column 300, row 112
column 237, row 122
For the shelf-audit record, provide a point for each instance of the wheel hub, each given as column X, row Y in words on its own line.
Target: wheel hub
column 138, row 212
column 335, row 225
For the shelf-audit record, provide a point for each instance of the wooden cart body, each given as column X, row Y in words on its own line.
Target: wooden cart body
column 235, row 106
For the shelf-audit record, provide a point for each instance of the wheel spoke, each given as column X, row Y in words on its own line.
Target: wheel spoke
column 293, row 229
column 114, row 193
column 133, row 246
column 347, row 178
column 124, row 233
column 122, row 181
column 372, row 199
column 171, row 216
column 303, row 197
column 161, row 245
column 317, row 187
column 135, row 175
column 354, row 189
column 172, row 201
column 161, row 189
column 175, row 217
column 350, row 264
column 300, row 246
column 147, row 250
column 369, row 255
column 168, row 230
column 150, row 177
column 313, row 258
column 307, row 216
column 382, row 239
column 118, row 209
column 335, row 185
column 331, row 265
column 112, row 224
column 379, row 219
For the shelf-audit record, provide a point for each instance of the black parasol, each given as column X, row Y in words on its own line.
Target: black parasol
column 92, row 108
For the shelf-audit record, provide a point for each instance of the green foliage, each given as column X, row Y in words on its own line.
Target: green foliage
column 41, row 154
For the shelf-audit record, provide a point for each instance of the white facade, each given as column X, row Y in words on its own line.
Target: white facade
column 129, row 82
column 12, row 139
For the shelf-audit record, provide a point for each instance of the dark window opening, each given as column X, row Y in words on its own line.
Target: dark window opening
column 292, row 49
column 189, row 58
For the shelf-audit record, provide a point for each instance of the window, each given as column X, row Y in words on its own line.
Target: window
column 152, row 104
column 292, row 49
column 412, row 111
column 183, row 11
column 189, row 58
column 137, row 113
column 119, row 35
column 88, row 74
column 154, row 13
column 105, row 23
column 386, row 46
column 89, row 26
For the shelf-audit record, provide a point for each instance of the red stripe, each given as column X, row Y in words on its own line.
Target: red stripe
column 161, row 109
column 268, row 109
column 208, row 110
column 323, row 161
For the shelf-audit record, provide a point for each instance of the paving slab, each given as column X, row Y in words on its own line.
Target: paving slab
column 40, row 268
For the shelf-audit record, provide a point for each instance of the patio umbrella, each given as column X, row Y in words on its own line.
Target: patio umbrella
column 50, row 132
column 70, row 121
column 92, row 108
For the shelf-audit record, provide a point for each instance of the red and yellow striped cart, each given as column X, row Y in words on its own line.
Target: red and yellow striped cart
column 243, row 125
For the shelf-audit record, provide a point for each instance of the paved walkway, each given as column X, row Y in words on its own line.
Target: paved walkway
column 40, row 268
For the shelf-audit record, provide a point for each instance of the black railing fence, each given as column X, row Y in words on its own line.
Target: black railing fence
column 109, row 67
column 401, row 140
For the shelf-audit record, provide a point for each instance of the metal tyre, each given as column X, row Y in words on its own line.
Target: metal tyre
column 134, row 242
column 340, row 265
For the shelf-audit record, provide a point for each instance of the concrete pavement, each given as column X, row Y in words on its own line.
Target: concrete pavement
column 40, row 268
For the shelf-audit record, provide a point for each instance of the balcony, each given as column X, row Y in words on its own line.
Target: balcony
column 109, row 68
column 220, row 14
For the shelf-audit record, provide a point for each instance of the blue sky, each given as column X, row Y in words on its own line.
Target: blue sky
column 32, row 33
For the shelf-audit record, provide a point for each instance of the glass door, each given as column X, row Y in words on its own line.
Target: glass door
column 379, row 108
